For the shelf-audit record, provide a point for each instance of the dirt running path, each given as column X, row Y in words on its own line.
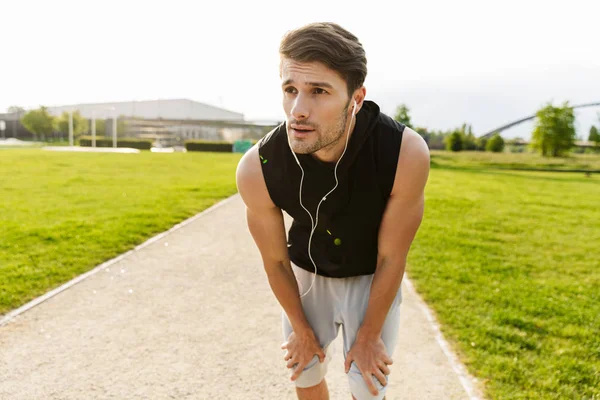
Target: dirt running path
column 190, row 316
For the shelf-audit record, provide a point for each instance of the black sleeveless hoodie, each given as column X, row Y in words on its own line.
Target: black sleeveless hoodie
column 345, row 241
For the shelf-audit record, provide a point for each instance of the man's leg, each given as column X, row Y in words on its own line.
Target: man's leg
column 319, row 308
column 355, row 306
column 319, row 392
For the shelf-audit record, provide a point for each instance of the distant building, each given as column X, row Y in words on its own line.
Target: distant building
column 14, row 128
column 169, row 109
column 167, row 121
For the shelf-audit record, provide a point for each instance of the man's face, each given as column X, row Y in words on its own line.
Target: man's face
column 315, row 101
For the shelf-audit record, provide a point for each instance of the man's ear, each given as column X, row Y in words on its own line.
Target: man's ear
column 359, row 98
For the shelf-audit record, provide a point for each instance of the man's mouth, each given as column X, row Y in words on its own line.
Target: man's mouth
column 301, row 130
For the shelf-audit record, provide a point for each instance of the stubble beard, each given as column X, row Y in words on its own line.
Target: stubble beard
column 323, row 140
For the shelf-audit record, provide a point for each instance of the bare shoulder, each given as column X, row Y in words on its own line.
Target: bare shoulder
column 413, row 165
column 251, row 182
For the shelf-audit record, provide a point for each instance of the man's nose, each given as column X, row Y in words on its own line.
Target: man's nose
column 300, row 110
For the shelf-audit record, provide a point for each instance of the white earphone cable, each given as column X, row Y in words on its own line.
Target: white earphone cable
column 315, row 222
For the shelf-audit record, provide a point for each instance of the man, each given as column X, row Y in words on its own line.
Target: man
column 353, row 181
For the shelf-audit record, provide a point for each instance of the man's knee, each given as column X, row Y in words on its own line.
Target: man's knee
column 359, row 388
column 313, row 374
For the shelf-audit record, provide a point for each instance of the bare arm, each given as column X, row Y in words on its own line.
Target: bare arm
column 401, row 220
column 265, row 222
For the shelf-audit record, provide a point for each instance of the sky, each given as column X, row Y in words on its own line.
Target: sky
column 478, row 62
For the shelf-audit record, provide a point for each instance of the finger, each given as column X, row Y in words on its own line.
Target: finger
column 298, row 370
column 288, row 355
column 284, row 345
column 291, row 363
column 384, row 368
column 380, row 377
column 369, row 381
column 321, row 355
column 388, row 360
column 348, row 361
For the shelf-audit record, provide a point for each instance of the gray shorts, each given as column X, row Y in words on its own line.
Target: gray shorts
column 335, row 302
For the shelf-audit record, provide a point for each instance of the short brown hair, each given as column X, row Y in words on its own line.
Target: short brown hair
column 331, row 45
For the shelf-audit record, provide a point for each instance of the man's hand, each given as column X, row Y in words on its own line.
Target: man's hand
column 371, row 359
column 301, row 348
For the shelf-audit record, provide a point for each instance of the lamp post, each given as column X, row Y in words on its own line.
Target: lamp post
column 93, row 128
column 114, row 129
column 94, row 125
column 70, row 128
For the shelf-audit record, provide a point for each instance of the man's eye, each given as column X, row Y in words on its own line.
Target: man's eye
column 290, row 90
column 320, row 91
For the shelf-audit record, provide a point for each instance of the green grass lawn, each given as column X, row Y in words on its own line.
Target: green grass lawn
column 473, row 159
column 510, row 262
column 61, row 214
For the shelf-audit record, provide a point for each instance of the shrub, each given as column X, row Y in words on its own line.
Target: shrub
column 495, row 144
column 141, row 144
column 482, row 143
column 454, row 142
column 205, row 145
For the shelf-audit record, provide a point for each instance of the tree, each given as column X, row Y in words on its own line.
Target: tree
column 469, row 141
column 436, row 139
column 454, row 141
column 39, row 122
column 402, row 115
column 80, row 124
column 594, row 135
column 482, row 143
column 554, row 133
column 495, row 144
column 15, row 109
